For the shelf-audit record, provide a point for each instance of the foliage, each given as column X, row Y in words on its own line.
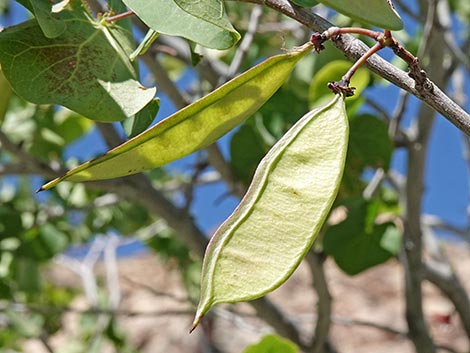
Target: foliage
column 74, row 65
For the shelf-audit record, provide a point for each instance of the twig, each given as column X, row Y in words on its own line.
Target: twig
column 397, row 115
column 112, row 270
column 354, row 48
column 43, row 338
column 156, row 292
column 449, row 284
column 356, row 322
column 51, row 310
column 119, row 16
column 374, row 184
column 378, row 108
column 320, row 340
column 437, row 223
column 270, row 313
column 244, row 45
column 109, row 134
column 164, row 81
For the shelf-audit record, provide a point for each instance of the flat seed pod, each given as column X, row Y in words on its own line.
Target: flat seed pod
column 259, row 246
column 194, row 127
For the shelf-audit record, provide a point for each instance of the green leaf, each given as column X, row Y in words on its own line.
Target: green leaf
column 305, row 3
column 370, row 144
column 202, row 21
column 259, row 246
column 51, row 24
column 26, row 274
column 333, row 71
column 246, row 151
column 358, row 243
column 145, row 44
column 10, row 222
column 86, row 69
column 273, row 344
column 26, row 4
column 380, row 13
column 194, row 127
column 142, row 120
column 5, row 96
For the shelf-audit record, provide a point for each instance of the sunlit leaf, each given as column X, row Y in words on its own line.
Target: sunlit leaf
column 379, row 13
column 333, row 71
column 202, row 21
column 86, row 69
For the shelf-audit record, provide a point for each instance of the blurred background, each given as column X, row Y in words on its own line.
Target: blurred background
column 114, row 266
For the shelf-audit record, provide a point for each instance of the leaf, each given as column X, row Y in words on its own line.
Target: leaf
column 194, row 127
column 5, row 96
column 305, row 3
column 26, row 4
column 369, row 146
column 145, row 44
column 273, row 344
column 246, row 151
column 358, row 243
column 51, row 24
column 202, row 21
column 380, row 13
column 142, row 120
column 85, row 69
column 26, row 274
column 332, row 71
column 259, row 246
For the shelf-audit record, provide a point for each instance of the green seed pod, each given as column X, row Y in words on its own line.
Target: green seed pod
column 259, row 246
column 193, row 127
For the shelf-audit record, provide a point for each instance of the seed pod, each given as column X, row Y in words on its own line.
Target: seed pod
column 194, row 127
column 259, row 246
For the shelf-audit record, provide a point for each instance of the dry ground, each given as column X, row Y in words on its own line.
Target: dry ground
column 374, row 297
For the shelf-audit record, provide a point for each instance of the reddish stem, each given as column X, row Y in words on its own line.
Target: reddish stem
column 119, row 16
column 335, row 31
column 347, row 77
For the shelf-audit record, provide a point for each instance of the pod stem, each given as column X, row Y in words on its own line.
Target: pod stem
column 383, row 40
column 119, row 16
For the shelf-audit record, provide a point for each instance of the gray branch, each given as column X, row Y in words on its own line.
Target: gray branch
column 320, row 342
column 449, row 284
column 354, row 49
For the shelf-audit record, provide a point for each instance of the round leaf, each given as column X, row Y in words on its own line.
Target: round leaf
column 203, row 21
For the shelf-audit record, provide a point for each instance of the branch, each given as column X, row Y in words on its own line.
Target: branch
column 393, row 331
column 244, row 45
column 354, row 49
column 412, row 237
column 449, row 284
column 320, row 341
column 53, row 310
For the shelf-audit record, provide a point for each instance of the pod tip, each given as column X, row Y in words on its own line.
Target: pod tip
column 196, row 322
